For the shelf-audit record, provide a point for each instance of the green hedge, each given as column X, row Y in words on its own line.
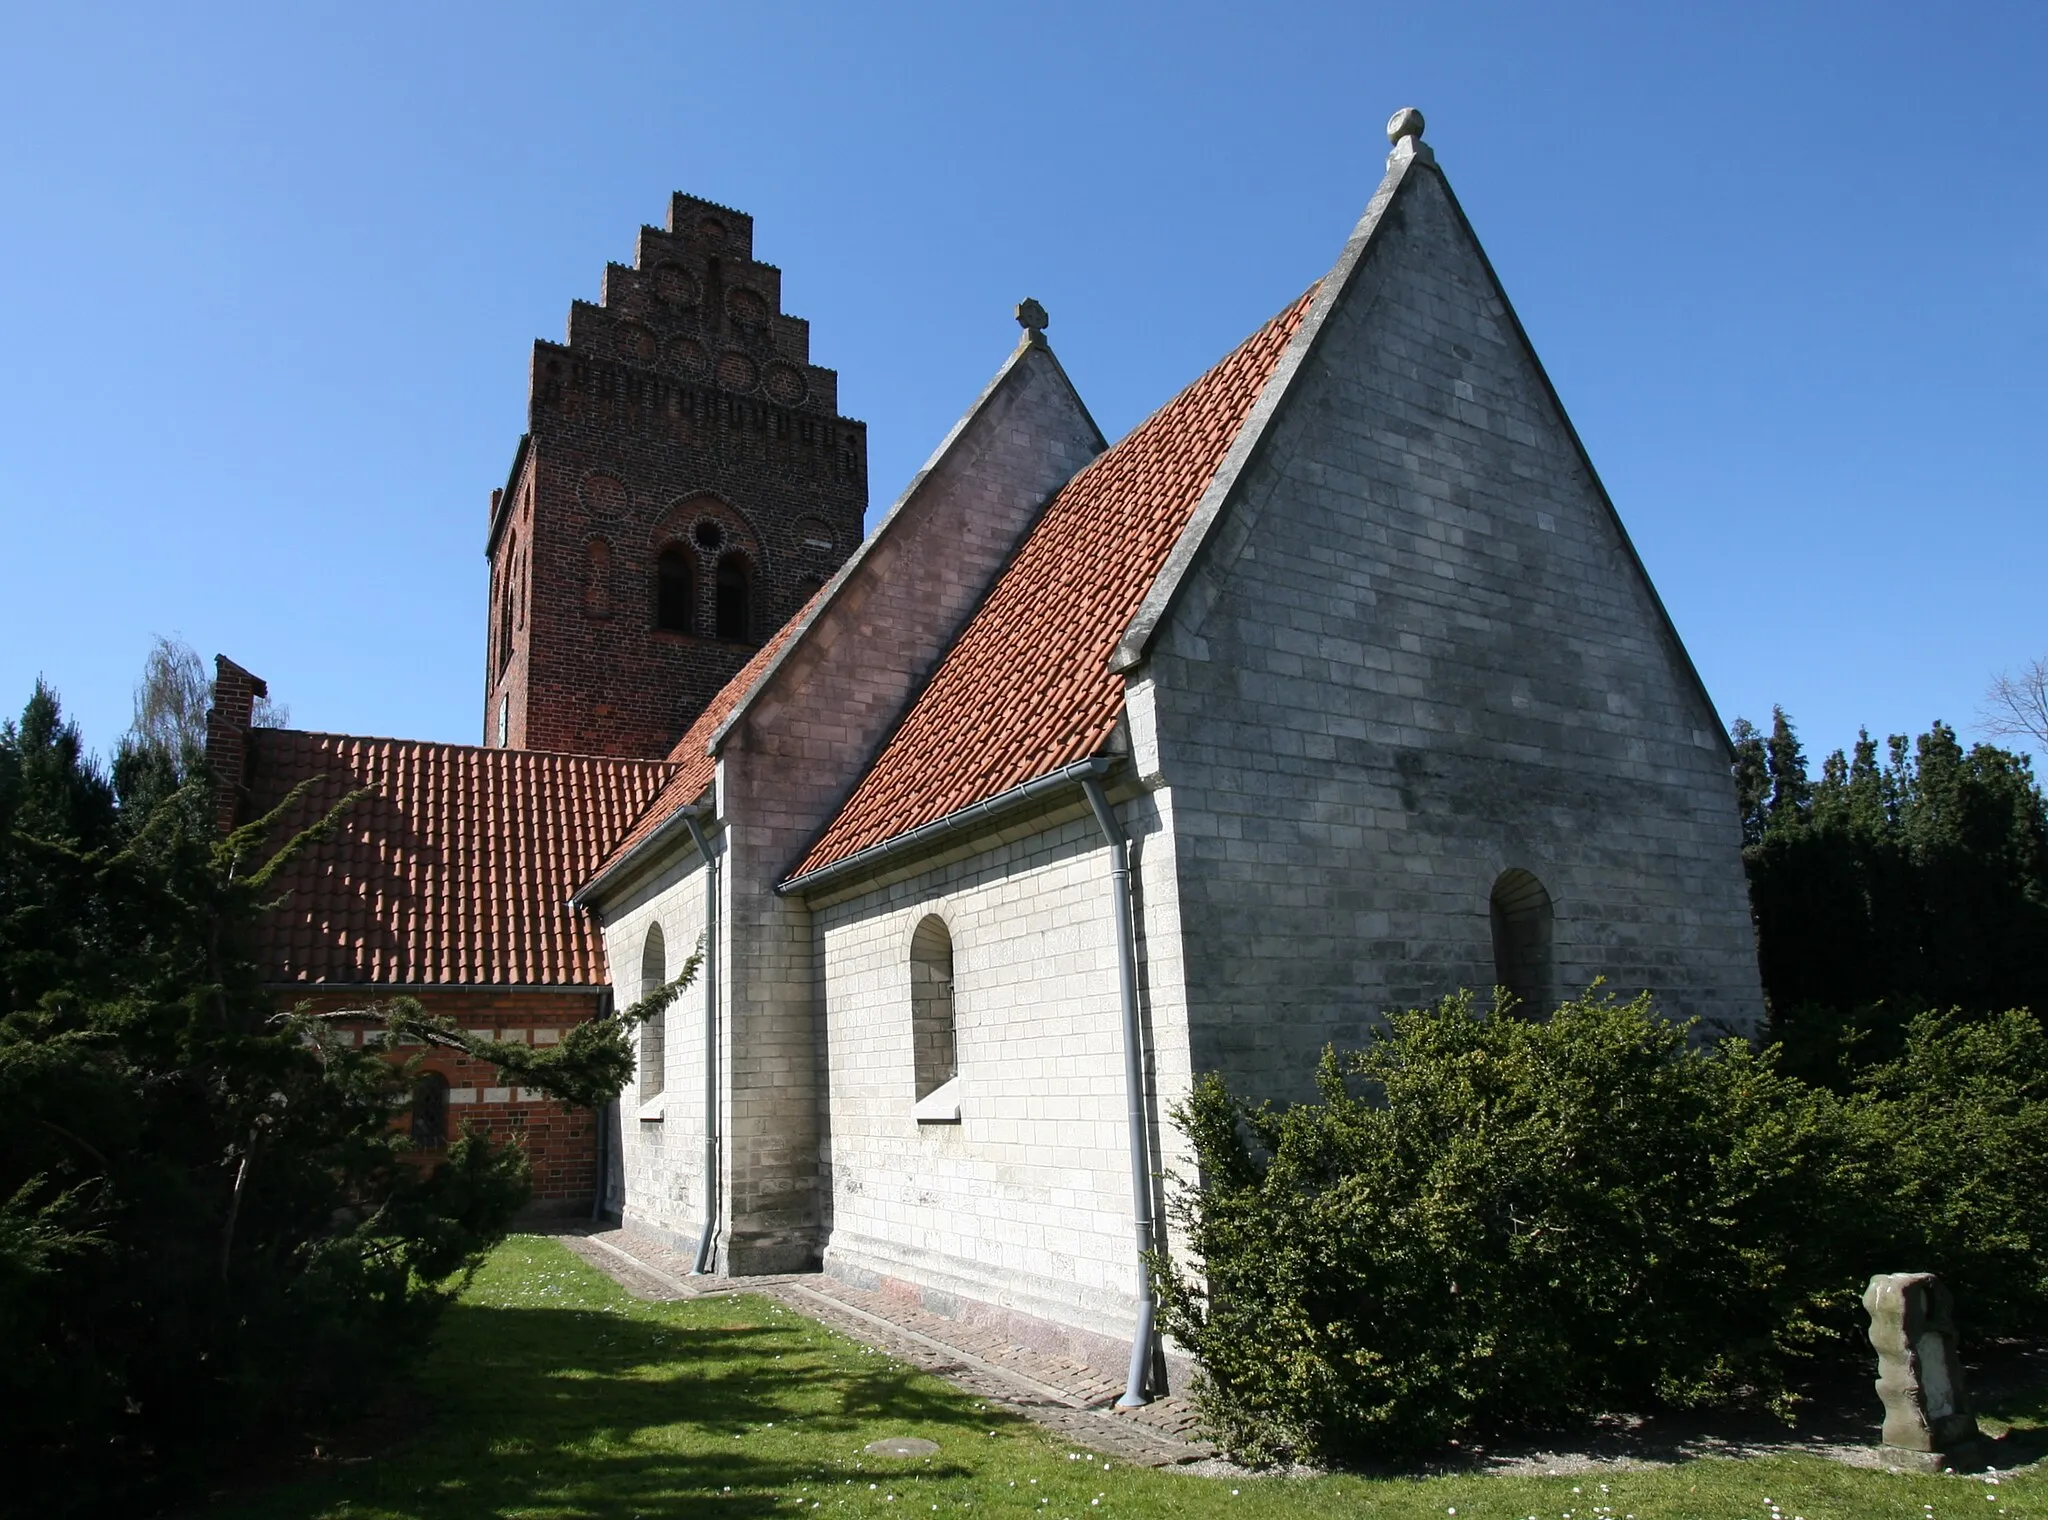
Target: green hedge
column 1487, row 1218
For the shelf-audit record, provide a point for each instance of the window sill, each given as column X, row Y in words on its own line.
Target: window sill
column 652, row 1110
column 941, row 1106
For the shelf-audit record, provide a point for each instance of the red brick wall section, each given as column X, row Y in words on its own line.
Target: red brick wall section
column 683, row 411
column 560, row 1142
column 235, row 692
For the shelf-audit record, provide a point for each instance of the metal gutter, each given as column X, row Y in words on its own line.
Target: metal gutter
column 875, row 856
column 575, row 989
column 670, row 826
column 1135, row 1118
column 694, row 819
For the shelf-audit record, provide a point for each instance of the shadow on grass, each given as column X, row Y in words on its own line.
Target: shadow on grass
column 608, row 1415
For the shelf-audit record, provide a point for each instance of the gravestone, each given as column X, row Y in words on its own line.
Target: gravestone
column 1928, row 1424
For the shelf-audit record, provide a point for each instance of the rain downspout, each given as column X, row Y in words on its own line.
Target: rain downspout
column 694, row 821
column 604, row 1123
column 1134, row 1090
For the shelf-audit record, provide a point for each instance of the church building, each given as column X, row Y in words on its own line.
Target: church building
column 1334, row 686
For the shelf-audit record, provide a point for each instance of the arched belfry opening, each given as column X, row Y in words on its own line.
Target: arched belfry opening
column 1521, row 913
column 931, row 1006
column 653, row 1033
column 673, row 590
column 735, row 596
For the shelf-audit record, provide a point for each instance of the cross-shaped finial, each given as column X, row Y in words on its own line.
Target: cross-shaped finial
column 1032, row 318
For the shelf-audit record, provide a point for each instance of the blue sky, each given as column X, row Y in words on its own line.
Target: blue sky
column 272, row 275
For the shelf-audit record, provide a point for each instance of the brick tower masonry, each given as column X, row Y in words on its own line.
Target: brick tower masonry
column 684, row 485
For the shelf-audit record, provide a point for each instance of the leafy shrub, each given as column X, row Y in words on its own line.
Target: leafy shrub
column 1962, row 1115
column 1488, row 1218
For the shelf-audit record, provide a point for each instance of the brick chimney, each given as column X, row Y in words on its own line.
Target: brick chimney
column 228, row 721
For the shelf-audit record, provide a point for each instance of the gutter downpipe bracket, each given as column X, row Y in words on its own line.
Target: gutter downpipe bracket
column 1136, row 1379
column 694, row 819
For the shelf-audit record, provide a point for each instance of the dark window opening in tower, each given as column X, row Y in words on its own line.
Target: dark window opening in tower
column 1521, row 913
column 672, row 590
column 504, row 627
column 735, row 612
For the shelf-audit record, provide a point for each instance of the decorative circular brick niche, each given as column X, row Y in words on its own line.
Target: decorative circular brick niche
column 736, row 371
column 786, row 383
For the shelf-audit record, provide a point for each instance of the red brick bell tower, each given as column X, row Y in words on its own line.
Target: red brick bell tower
column 684, row 485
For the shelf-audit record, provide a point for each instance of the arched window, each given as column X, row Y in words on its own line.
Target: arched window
column 430, row 1112
column 505, row 610
column 653, row 1033
column 672, row 590
column 931, row 1006
column 1521, row 940
column 597, row 584
column 735, row 598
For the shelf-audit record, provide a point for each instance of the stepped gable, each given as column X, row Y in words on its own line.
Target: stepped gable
column 684, row 484
column 1027, row 687
column 697, row 305
column 456, row 870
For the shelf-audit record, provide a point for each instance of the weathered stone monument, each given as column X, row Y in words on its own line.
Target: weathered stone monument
column 1928, row 1424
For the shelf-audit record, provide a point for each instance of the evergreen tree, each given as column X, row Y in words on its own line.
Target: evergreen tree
column 208, row 1223
column 1884, row 890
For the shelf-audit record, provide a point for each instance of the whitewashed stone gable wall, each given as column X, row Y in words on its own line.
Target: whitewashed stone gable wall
column 663, row 1157
column 1431, row 658
column 802, row 743
column 1023, row 1209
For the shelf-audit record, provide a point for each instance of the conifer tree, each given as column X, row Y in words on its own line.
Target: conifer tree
column 1884, row 890
column 208, row 1224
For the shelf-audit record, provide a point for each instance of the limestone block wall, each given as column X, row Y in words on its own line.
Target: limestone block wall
column 800, row 746
column 662, row 1140
column 1425, row 655
column 1021, row 1212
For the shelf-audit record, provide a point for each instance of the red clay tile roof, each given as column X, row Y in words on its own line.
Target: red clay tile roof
column 694, row 766
column 1027, row 687
column 457, row 869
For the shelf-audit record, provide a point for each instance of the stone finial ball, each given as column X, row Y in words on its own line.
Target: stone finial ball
column 1031, row 316
column 1406, row 122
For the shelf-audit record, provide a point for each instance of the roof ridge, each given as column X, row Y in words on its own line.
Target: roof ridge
column 482, row 749
column 1322, row 298
column 1025, row 687
column 695, row 751
column 1033, row 341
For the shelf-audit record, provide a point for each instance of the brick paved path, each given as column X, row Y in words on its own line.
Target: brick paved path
column 1056, row 1391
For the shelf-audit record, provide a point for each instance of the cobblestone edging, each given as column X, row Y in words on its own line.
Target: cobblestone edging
column 1057, row 1392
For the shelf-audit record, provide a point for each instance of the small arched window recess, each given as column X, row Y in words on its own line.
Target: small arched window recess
column 653, row 1033
column 505, row 577
column 430, row 1112
column 735, row 599
column 597, row 584
column 931, row 1022
column 673, row 591
column 1521, row 914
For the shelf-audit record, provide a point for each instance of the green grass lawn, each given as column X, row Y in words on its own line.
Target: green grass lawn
column 556, row 1394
